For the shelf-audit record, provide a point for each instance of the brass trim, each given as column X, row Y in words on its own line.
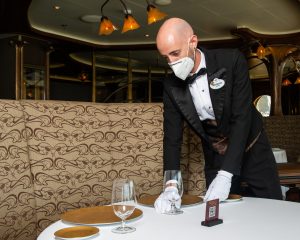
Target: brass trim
column 47, row 74
column 19, row 68
column 149, row 85
column 94, row 76
column 129, row 82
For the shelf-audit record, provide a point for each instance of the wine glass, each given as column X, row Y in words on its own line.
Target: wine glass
column 123, row 201
column 173, row 179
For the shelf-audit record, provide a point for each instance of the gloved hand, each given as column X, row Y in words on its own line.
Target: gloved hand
column 163, row 202
column 219, row 187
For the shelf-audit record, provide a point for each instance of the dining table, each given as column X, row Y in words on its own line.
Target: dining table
column 246, row 219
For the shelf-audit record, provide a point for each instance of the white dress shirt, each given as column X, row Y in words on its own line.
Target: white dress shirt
column 200, row 94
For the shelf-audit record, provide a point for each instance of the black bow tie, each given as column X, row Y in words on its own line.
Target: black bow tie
column 192, row 78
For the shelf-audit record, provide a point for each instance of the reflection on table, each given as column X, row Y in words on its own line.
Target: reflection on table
column 289, row 173
column 248, row 219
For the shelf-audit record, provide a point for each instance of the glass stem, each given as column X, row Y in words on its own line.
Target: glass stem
column 173, row 206
column 123, row 223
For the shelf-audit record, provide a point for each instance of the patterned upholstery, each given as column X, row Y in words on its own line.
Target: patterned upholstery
column 136, row 145
column 17, row 202
column 76, row 150
column 284, row 132
column 69, row 154
column 196, row 179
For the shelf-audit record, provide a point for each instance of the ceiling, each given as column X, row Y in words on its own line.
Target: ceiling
column 215, row 22
column 211, row 19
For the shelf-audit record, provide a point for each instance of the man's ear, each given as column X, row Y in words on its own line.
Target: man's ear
column 194, row 41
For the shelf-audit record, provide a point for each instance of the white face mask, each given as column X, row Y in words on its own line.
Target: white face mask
column 182, row 67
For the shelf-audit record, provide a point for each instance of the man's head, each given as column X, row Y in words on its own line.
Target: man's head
column 176, row 40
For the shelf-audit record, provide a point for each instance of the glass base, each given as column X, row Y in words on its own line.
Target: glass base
column 174, row 212
column 123, row 230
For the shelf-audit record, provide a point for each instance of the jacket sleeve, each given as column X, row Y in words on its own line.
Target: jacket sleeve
column 173, row 129
column 241, row 115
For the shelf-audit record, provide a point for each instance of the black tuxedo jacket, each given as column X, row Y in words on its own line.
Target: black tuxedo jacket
column 234, row 111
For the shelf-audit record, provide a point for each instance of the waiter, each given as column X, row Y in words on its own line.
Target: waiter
column 211, row 91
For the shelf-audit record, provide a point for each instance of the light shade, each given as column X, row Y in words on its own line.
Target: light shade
column 106, row 27
column 261, row 52
column 286, row 82
column 297, row 80
column 154, row 14
column 129, row 23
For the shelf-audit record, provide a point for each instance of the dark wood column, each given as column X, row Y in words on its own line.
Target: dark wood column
column 278, row 58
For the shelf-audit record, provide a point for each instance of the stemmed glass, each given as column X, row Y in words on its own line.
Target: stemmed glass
column 172, row 178
column 123, row 201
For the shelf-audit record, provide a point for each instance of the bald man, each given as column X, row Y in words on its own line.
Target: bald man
column 211, row 91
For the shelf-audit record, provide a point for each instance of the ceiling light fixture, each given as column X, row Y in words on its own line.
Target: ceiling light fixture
column 129, row 22
column 162, row 2
column 90, row 18
column 286, row 82
column 56, row 7
column 106, row 27
column 261, row 51
column 154, row 14
column 297, row 80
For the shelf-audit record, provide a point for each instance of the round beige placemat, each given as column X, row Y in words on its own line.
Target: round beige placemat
column 186, row 200
column 76, row 232
column 100, row 215
column 234, row 197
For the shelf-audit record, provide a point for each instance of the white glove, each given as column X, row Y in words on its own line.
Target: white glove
column 163, row 202
column 219, row 187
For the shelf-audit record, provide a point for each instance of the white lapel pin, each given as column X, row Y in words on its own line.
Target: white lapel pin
column 217, row 83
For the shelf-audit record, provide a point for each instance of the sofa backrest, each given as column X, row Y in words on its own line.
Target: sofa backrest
column 69, row 154
column 76, row 150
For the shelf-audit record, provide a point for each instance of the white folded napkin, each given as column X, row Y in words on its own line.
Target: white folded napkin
column 280, row 155
column 163, row 202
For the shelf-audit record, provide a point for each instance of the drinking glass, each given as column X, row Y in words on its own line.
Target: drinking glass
column 123, row 201
column 172, row 178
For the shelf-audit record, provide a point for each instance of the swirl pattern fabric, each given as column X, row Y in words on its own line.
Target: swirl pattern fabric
column 59, row 155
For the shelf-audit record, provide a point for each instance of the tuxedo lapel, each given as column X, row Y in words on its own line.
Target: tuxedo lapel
column 217, row 93
column 216, row 84
column 184, row 100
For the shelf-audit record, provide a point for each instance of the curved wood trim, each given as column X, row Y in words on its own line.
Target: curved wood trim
column 248, row 34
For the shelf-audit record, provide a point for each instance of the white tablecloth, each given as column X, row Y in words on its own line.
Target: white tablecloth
column 251, row 218
column 280, row 155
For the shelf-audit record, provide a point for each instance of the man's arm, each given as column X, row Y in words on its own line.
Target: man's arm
column 239, row 126
column 173, row 128
column 240, row 116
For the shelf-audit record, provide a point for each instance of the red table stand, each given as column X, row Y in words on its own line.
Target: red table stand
column 212, row 214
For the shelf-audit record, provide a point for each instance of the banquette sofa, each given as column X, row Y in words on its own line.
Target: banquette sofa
column 59, row 155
